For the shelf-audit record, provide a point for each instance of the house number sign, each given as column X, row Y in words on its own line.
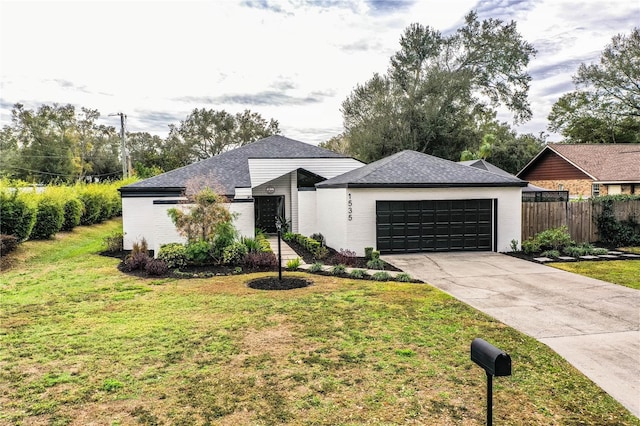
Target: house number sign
column 349, row 208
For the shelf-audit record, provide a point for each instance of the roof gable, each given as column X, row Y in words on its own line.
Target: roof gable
column 415, row 169
column 230, row 169
column 599, row 162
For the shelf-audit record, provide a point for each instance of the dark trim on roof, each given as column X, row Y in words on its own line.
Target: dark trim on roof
column 132, row 191
column 184, row 201
column 424, row 185
column 168, row 202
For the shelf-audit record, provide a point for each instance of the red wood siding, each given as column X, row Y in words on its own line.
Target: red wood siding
column 550, row 166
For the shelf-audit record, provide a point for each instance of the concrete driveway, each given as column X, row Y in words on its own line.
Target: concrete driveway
column 593, row 324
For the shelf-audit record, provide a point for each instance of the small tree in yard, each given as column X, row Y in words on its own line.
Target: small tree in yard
column 201, row 221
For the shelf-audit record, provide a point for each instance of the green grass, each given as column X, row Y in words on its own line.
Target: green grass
column 81, row 343
column 635, row 250
column 623, row 272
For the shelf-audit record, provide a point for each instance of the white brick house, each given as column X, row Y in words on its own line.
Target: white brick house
column 404, row 203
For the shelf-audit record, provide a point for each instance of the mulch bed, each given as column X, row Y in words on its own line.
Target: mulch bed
column 333, row 258
column 273, row 283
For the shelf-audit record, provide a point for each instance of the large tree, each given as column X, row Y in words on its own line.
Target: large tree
column 46, row 139
column 605, row 107
column 207, row 132
column 438, row 89
column 56, row 144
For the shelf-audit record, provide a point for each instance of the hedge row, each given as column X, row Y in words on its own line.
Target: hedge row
column 308, row 243
column 39, row 213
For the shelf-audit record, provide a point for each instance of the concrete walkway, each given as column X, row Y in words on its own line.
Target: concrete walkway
column 287, row 252
column 593, row 324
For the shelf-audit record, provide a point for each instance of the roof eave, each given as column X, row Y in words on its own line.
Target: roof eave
column 424, row 185
column 140, row 191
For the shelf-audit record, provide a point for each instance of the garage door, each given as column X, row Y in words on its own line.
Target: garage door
column 434, row 225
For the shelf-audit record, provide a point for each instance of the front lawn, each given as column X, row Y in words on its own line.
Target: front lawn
column 623, row 272
column 82, row 343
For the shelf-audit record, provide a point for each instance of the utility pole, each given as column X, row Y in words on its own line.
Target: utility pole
column 123, row 148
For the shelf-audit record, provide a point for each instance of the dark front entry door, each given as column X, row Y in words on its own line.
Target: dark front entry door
column 267, row 208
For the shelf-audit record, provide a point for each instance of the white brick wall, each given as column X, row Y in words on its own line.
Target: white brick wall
column 360, row 232
column 245, row 220
column 331, row 216
column 307, row 220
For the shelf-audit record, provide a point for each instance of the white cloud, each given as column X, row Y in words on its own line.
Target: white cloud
column 294, row 61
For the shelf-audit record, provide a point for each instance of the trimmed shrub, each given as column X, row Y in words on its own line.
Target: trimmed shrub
column 530, row 246
column 554, row 238
column 358, row 274
column 174, row 255
column 92, row 203
column 403, row 277
column 140, row 247
column 368, row 253
column 321, row 253
column 375, row 254
column 261, row 260
column 265, row 247
column 319, row 238
column 136, row 261
column 18, row 216
column 375, row 264
column 252, row 244
column 73, row 209
column 345, row 257
column 198, row 252
column 293, row 264
column 381, row 276
column 553, row 254
column 156, row 267
column 599, row 251
column 225, row 235
column 234, row 253
column 338, row 270
column 316, row 267
column 114, row 242
column 49, row 219
column 8, row 243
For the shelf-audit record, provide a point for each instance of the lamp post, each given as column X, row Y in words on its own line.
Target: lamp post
column 279, row 228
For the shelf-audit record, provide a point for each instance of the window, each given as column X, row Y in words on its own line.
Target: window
column 595, row 190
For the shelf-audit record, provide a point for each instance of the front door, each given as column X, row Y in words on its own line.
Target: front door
column 267, row 208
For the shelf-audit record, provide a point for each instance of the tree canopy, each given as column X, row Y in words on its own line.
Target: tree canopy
column 206, row 133
column 57, row 143
column 439, row 89
column 605, row 107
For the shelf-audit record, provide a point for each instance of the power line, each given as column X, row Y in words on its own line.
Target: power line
column 59, row 174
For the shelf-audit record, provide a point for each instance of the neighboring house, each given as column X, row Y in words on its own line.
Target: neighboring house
column 586, row 170
column 407, row 202
column 530, row 193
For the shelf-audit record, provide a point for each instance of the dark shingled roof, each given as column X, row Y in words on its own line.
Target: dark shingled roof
column 230, row 169
column 414, row 169
column 485, row 165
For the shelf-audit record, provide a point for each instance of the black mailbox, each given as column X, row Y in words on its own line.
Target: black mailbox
column 494, row 361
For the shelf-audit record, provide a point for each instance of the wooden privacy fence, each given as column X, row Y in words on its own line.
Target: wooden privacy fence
column 579, row 217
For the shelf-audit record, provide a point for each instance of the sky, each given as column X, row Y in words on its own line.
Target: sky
column 295, row 61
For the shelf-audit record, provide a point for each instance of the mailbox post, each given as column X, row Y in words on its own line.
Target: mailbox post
column 495, row 362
